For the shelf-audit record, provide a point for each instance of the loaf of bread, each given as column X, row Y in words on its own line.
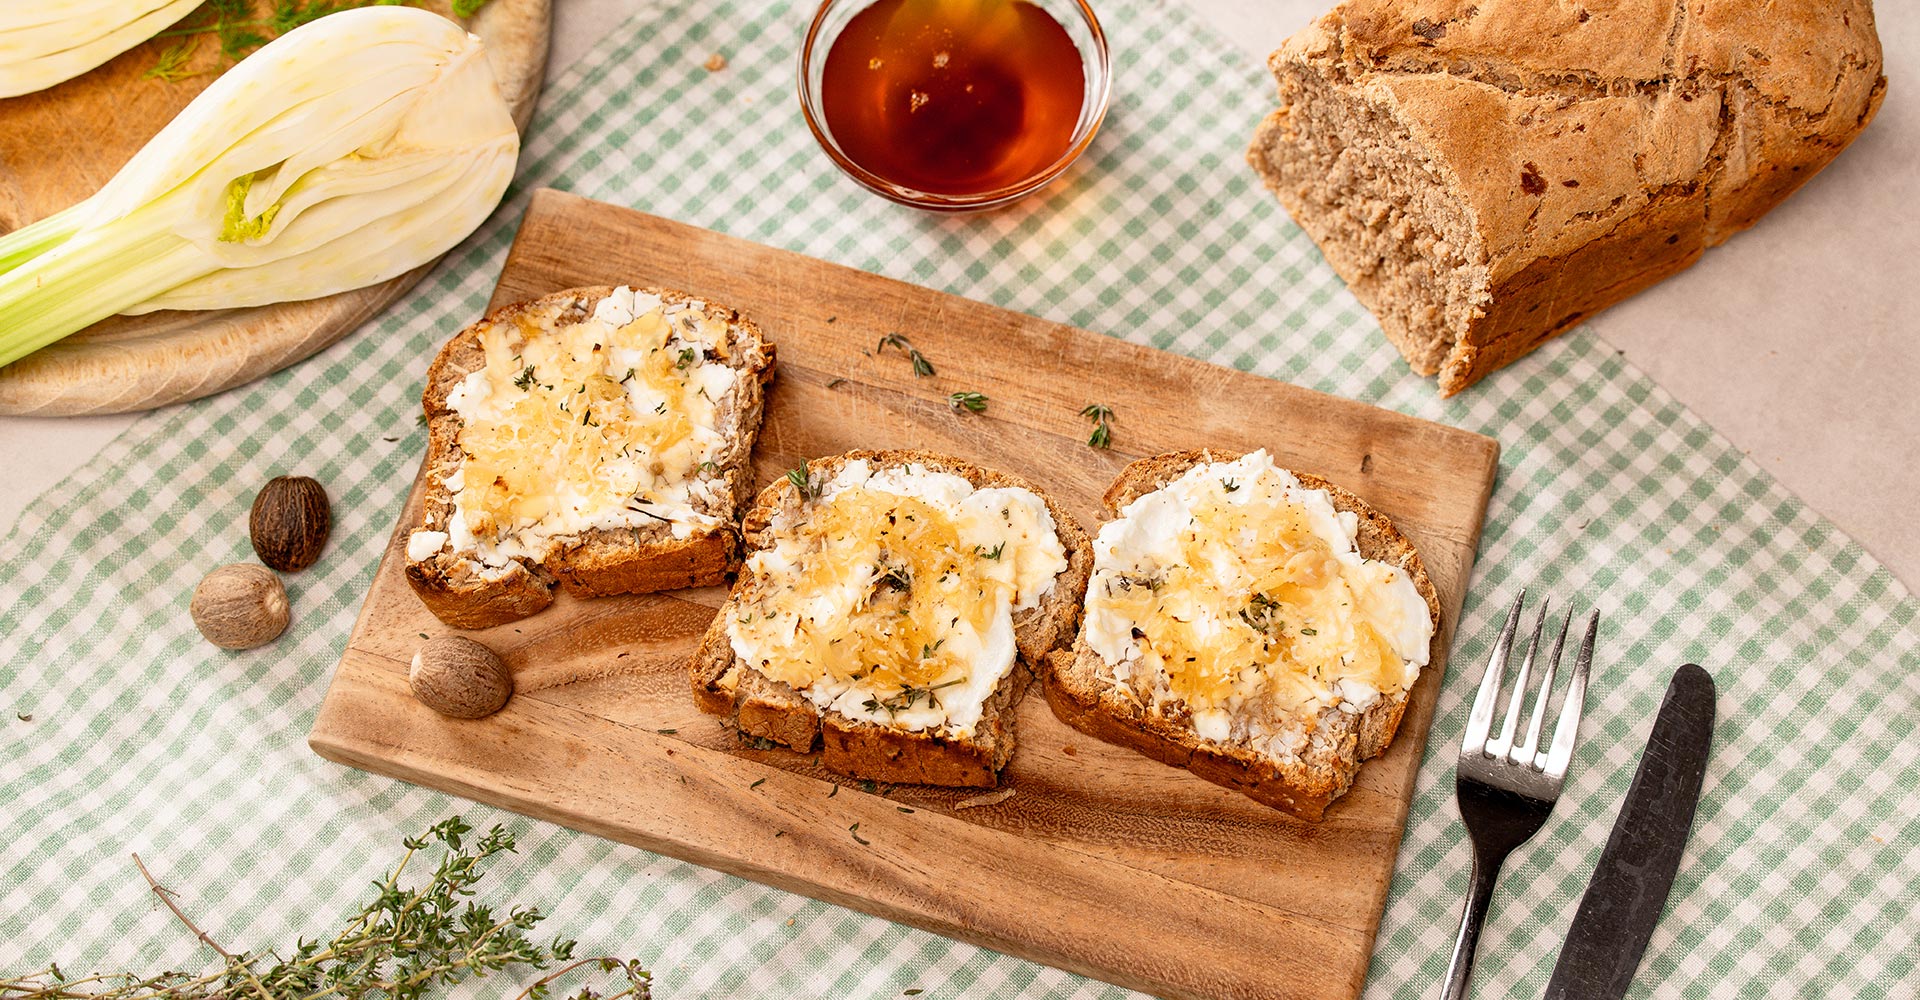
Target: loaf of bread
column 1485, row 174
column 599, row 439
column 1259, row 627
column 892, row 611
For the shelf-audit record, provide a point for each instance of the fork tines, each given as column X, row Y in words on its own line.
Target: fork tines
column 1501, row 749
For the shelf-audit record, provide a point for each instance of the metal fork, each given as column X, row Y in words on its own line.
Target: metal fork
column 1506, row 791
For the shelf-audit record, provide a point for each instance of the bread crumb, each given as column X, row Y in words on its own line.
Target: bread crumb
column 989, row 799
column 715, row 63
column 789, row 921
column 1070, row 750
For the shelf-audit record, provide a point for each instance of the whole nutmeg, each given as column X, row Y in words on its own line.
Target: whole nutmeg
column 290, row 522
column 240, row 606
column 455, row 676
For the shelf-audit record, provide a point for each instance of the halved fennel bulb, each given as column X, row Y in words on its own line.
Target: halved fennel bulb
column 343, row 153
column 50, row 42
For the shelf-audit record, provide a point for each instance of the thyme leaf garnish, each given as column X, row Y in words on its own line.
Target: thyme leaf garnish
column 1102, row 416
column 971, row 401
column 798, row 477
column 922, row 368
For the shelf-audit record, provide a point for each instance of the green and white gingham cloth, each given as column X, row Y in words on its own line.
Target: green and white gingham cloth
column 121, row 730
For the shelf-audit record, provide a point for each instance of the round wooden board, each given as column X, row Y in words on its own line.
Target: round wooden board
column 60, row 145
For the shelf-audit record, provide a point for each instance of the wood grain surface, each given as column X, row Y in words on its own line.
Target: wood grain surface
column 1100, row 861
column 59, row 145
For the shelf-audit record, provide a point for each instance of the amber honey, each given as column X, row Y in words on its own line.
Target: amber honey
column 953, row 97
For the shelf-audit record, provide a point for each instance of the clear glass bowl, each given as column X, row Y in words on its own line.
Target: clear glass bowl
column 1081, row 26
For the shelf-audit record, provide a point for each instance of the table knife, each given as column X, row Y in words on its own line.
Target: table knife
column 1630, row 883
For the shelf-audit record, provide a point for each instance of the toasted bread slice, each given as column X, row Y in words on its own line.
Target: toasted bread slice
column 761, row 707
column 472, row 579
column 1326, row 750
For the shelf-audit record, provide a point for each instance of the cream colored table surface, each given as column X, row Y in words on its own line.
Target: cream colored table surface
column 1798, row 340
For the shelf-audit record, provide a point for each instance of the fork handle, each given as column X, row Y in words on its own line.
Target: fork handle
column 1485, row 872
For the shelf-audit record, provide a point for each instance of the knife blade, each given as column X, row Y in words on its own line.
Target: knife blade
column 1630, row 883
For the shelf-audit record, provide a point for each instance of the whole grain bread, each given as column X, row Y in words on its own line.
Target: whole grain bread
column 1082, row 690
column 1485, row 174
column 466, row 594
column 760, row 708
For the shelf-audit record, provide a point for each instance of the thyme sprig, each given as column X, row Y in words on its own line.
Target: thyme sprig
column 1102, row 416
column 800, row 480
column 922, row 368
column 975, row 402
column 401, row 944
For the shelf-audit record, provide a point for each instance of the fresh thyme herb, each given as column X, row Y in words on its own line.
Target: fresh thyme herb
column 855, row 830
column 756, row 784
column 758, row 742
column 685, row 360
column 238, row 28
column 1229, row 485
column 798, row 477
column 524, row 381
column 921, row 366
column 1258, row 614
column 402, row 943
column 623, row 379
column 836, row 791
column 836, row 382
column 708, row 466
column 928, row 649
column 897, row 577
column 993, row 553
column 1102, row 416
column 663, row 732
column 1308, row 631
column 972, row 402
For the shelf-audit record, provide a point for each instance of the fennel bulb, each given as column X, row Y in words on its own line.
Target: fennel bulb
column 51, row 41
column 343, row 153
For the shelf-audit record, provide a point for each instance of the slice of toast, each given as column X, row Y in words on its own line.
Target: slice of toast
column 1301, row 779
column 762, row 708
column 618, row 549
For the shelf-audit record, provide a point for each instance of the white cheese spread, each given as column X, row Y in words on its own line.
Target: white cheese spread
column 609, row 422
column 1238, row 594
column 891, row 597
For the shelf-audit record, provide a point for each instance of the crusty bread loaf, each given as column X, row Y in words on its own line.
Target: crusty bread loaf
column 761, row 708
column 1083, row 692
column 641, row 558
column 1485, row 174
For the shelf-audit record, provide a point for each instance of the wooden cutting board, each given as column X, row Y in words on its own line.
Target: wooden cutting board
column 59, row 145
column 1101, row 861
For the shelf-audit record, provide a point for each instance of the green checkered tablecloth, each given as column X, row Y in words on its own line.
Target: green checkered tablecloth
column 120, row 730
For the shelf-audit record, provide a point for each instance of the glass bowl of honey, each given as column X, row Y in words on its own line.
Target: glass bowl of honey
column 954, row 105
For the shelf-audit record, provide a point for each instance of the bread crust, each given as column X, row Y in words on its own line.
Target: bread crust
column 1079, row 690
column 1593, row 148
column 600, row 561
column 761, row 708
